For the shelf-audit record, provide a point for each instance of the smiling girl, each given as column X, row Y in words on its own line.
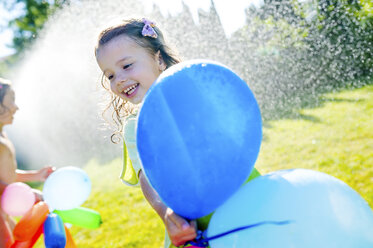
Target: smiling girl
column 131, row 56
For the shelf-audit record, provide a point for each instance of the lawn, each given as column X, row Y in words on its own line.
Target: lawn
column 335, row 137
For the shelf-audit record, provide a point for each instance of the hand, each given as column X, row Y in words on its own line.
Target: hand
column 179, row 229
column 44, row 173
column 38, row 195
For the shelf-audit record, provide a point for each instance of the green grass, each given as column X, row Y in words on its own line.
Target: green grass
column 335, row 137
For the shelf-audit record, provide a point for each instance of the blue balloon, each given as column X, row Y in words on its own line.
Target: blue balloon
column 54, row 232
column 198, row 135
column 66, row 188
column 323, row 212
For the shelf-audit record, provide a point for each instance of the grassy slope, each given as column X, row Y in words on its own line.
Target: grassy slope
column 335, row 137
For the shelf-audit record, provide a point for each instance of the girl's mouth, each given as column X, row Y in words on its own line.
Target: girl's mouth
column 130, row 91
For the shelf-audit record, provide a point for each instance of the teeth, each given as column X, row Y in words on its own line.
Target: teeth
column 130, row 90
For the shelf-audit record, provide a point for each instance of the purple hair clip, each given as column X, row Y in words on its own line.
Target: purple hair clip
column 148, row 29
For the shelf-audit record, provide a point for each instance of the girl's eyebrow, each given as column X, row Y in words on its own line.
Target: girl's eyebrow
column 122, row 59
column 119, row 61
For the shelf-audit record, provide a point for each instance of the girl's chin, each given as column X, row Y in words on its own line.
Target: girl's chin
column 136, row 102
column 136, row 99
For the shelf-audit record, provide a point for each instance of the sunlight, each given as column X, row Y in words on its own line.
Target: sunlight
column 231, row 15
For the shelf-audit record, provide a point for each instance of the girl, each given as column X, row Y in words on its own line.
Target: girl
column 131, row 56
column 8, row 165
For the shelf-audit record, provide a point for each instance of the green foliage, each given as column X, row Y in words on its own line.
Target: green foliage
column 348, row 28
column 26, row 27
column 338, row 33
column 6, row 64
column 296, row 49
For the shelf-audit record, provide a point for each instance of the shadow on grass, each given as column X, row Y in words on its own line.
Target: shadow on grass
column 289, row 106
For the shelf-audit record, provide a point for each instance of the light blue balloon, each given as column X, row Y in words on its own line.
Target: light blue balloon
column 324, row 212
column 54, row 232
column 66, row 188
column 198, row 136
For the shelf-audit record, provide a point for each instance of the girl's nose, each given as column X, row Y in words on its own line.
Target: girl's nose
column 121, row 77
column 15, row 107
column 120, row 81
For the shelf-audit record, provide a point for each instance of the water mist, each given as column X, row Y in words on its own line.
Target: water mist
column 60, row 97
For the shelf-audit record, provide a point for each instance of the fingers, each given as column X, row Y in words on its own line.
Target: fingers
column 38, row 195
column 179, row 229
column 50, row 170
column 179, row 221
column 45, row 172
column 193, row 223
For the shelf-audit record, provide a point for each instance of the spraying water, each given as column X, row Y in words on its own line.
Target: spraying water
column 59, row 94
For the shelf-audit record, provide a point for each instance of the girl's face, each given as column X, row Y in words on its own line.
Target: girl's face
column 130, row 68
column 8, row 108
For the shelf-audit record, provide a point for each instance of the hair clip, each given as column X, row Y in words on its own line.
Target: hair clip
column 1, row 86
column 148, row 29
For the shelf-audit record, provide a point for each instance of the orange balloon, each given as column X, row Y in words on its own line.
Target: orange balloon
column 29, row 224
column 29, row 243
column 69, row 239
column 6, row 236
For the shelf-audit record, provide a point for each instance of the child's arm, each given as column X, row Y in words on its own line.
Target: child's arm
column 179, row 229
column 10, row 174
column 34, row 176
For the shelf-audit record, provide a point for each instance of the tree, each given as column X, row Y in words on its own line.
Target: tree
column 27, row 25
column 349, row 31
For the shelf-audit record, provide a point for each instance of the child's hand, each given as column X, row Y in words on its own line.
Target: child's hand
column 38, row 195
column 179, row 230
column 44, row 173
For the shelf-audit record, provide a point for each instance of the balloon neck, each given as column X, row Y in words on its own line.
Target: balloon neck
column 51, row 209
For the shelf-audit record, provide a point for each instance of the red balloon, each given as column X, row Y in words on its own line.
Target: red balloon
column 29, row 224
column 29, row 243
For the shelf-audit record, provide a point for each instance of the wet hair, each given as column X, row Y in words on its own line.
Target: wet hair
column 5, row 85
column 132, row 29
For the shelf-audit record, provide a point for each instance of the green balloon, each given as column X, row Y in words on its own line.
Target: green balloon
column 83, row 217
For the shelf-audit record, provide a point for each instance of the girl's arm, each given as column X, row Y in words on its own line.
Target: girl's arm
column 179, row 229
column 10, row 174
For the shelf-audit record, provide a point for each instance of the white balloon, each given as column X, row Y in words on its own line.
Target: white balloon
column 324, row 212
column 66, row 188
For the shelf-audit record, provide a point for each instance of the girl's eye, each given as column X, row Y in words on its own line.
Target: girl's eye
column 126, row 66
column 110, row 77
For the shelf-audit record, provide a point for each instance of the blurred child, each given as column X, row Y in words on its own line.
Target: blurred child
column 8, row 164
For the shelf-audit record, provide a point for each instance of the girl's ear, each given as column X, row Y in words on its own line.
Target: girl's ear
column 160, row 61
